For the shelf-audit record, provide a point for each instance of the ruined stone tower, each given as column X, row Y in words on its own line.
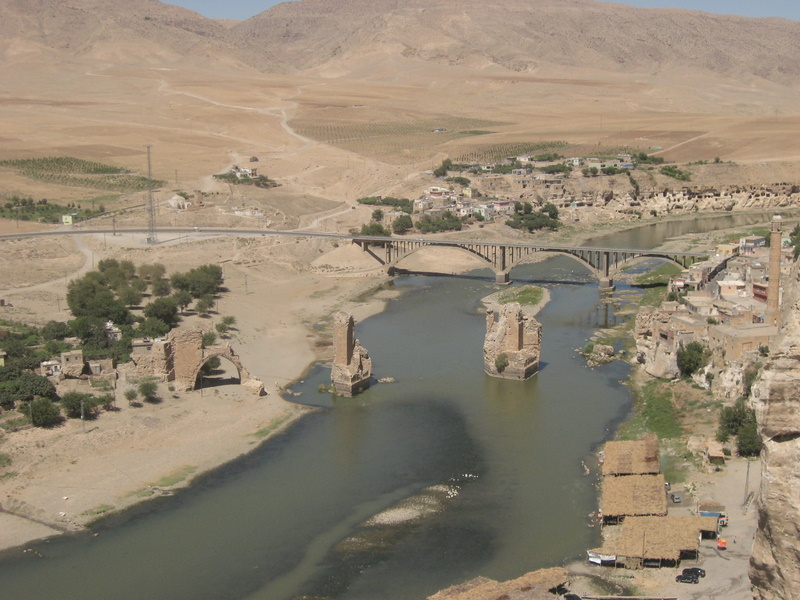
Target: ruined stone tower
column 512, row 345
column 773, row 315
column 352, row 367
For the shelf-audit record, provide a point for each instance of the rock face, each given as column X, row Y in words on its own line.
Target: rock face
column 513, row 343
column 352, row 367
column 775, row 562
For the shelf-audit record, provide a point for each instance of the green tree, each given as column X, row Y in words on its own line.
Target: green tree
column 501, row 362
column 90, row 330
column 205, row 280
column 183, row 299
column 87, row 297
column 149, row 391
column 131, row 395
column 204, row 305
column 691, row 358
column 550, row 210
column 747, row 441
column 209, row 338
column 153, row 327
column 377, row 215
column 55, row 330
column 74, row 403
column 161, row 288
column 129, row 296
column 221, row 328
column 43, row 413
column 402, row 224
column 229, row 320
column 151, row 271
column 165, row 309
column 374, row 229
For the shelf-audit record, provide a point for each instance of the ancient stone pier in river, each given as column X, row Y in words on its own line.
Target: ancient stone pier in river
column 352, row 367
column 512, row 345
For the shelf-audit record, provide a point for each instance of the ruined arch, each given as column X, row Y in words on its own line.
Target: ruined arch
column 212, row 355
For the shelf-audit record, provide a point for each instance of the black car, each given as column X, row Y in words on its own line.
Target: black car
column 694, row 572
column 682, row 578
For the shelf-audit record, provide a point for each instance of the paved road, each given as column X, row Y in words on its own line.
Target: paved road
column 211, row 232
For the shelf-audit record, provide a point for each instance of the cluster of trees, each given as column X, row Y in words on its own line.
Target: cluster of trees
column 526, row 218
column 676, row 173
column 109, row 293
column 403, row 204
column 262, row 181
column 447, row 221
column 462, row 181
column 28, row 209
column 594, row 171
column 794, row 236
column 740, row 421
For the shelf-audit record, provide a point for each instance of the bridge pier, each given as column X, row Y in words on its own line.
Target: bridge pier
column 502, row 278
column 606, row 284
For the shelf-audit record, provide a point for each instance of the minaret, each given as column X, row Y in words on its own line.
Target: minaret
column 773, row 316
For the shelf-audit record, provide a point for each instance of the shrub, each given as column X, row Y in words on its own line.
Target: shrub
column 44, row 413
column 501, row 362
column 692, row 358
column 149, row 391
column 72, row 402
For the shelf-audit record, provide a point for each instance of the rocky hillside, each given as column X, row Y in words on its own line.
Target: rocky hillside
column 775, row 562
column 541, row 36
column 526, row 35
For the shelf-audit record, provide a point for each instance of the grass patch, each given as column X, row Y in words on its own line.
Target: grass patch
column 5, row 460
column 322, row 293
column 176, row 477
column 271, row 427
column 659, row 276
column 15, row 423
column 98, row 510
column 367, row 295
column 140, row 493
column 654, row 413
column 525, row 294
column 8, row 475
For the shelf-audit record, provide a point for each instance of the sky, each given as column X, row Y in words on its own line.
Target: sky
column 788, row 9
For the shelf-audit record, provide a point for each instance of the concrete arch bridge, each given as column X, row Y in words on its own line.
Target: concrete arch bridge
column 603, row 263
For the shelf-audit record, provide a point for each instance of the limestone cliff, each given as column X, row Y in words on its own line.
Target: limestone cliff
column 775, row 562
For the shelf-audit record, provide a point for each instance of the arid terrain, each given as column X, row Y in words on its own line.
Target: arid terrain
column 334, row 107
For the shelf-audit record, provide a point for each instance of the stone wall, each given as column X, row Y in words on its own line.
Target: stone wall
column 512, row 344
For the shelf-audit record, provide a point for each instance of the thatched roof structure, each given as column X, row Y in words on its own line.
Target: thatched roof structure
column 636, row 457
column 657, row 538
column 636, row 495
column 536, row 585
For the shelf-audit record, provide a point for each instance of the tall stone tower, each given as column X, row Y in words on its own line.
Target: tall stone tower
column 352, row 367
column 773, row 316
column 512, row 344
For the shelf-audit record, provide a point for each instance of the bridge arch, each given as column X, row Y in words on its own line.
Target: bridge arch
column 461, row 249
column 629, row 262
column 522, row 260
column 208, row 357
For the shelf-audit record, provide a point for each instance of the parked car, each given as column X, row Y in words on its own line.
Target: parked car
column 676, row 498
column 571, row 597
column 694, row 571
column 687, row 579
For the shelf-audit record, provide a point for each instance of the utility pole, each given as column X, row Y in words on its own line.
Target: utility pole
column 151, row 237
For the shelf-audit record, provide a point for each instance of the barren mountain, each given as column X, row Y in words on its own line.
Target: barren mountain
column 532, row 36
column 526, row 35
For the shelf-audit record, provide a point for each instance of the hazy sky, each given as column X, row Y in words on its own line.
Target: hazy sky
column 788, row 9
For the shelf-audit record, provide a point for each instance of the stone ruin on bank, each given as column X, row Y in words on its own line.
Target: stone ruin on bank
column 512, row 345
column 352, row 368
column 179, row 357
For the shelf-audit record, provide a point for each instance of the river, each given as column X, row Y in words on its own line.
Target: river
column 413, row 486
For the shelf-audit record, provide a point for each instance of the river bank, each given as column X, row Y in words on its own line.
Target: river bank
column 281, row 313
